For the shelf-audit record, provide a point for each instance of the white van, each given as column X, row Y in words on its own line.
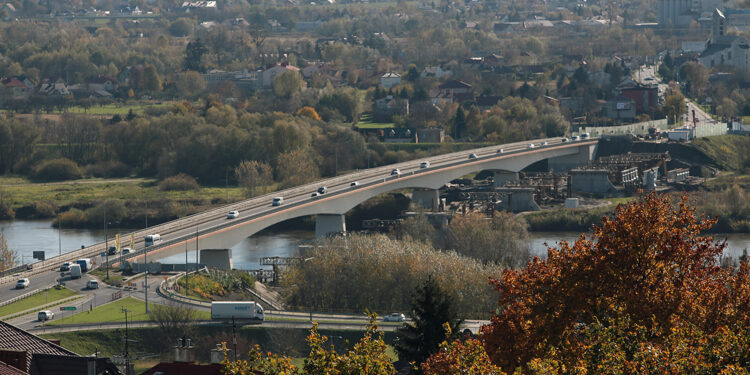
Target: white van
column 277, row 201
column 45, row 315
column 152, row 239
column 75, row 271
column 92, row 284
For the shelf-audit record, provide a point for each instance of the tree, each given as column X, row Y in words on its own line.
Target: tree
column 432, row 308
column 459, row 124
column 8, row 257
column 190, row 84
column 287, row 83
column 674, row 107
column 174, row 320
column 181, row 27
column 194, row 56
column 368, row 357
column 647, row 263
column 253, row 174
column 296, row 167
column 6, row 205
column 466, row 357
column 309, row 112
column 502, row 240
column 697, row 77
column 727, row 108
column 150, row 79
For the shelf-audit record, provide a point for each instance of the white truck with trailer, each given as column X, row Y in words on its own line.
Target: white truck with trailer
column 239, row 310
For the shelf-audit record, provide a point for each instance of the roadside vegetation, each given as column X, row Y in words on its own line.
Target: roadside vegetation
column 42, row 298
column 218, row 285
column 112, row 312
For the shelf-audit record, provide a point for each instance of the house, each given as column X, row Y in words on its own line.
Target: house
column 453, row 91
column 102, row 86
column 485, row 102
column 384, row 108
column 390, row 79
column 53, row 88
column 188, row 6
column 24, row 353
column 184, row 362
column 435, row 71
column 399, row 135
column 267, row 76
column 17, row 89
column 493, row 60
column 725, row 51
column 620, row 109
column 431, row 135
column 645, row 97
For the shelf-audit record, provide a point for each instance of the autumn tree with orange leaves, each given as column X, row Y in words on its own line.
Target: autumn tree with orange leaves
column 645, row 276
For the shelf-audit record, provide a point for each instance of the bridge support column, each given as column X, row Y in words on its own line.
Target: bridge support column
column 503, row 177
column 561, row 164
column 326, row 224
column 429, row 199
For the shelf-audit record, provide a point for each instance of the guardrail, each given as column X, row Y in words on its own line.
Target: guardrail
column 22, row 296
column 205, row 216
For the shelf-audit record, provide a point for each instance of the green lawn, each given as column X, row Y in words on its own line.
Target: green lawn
column 118, row 109
column 25, row 192
column 115, row 276
column 38, row 299
column 366, row 122
column 112, row 312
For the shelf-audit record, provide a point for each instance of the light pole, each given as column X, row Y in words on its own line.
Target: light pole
column 127, row 356
column 59, row 234
column 187, row 288
column 145, row 262
column 106, row 240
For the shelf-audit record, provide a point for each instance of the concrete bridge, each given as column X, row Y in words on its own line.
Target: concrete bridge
column 212, row 229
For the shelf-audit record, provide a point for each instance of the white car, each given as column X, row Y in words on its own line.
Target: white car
column 564, row 140
column 424, row 164
column 472, row 156
column 395, row 172
column 574, row 138
column 126, row 250
column 500, row 151
column 45, row 315
column 233, row 214
column 22, row 283
column 314, row 195
column 530, row 145
column 92, row 284
column 354, row 183
column 394, row 317
column 545, row 143
column 277, row 201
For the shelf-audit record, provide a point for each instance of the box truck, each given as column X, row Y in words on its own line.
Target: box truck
column 85, row 264
column 236, row 310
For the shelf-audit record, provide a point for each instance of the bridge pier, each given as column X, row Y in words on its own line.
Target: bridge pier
column 326, row 224
column 503, row 177
column 429, row 199
column 581, row 159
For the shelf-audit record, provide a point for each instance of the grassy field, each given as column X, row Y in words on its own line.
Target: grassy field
column 366, row 122
column 38, row 299
column 118, row 109
column 25, row 192
column 112, row 312
column 115, row 276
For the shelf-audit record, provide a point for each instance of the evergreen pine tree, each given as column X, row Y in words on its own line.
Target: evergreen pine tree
column 432, row 308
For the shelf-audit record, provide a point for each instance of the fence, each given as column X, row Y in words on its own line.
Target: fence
column 638, row 128
column 710, row 130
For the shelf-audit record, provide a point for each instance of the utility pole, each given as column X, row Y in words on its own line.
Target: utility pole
column 196, row 248
column 127, row 356
column 59, row 234
column 106, row 243
column 234, row 338
column 145, row 262
column 187, row 288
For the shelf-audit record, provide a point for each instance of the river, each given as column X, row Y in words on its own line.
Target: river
column 26, row 236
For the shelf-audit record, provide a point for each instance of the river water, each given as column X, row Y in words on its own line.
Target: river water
column 26, row 236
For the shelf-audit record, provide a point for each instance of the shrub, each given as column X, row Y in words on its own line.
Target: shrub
column 107, row 169
column 180, row 182
column 115, row 212
column 57, row 170
column 73, row 218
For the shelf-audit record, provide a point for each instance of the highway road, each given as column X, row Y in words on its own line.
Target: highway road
column 45, row 274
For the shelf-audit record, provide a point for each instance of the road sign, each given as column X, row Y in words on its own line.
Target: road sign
column 68, row 308
column 38, row 255
column 103, row 254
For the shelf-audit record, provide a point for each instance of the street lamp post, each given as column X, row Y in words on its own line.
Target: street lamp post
column 106, row 242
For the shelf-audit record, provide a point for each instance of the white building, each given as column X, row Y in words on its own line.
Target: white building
column 725, row 51
column 390, row 79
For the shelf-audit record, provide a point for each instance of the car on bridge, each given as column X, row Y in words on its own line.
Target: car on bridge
column 322, row 190
column 574, row 138
column 112, row 250
column 424, row 164
column 126, row 250
column 545, row 143
column 394, row 317
column 472, row 156
column 22, row 283
column 354, row 183
column 395, row 172
column 233, row 214
column 277, row 201
column 65, row 267
column 564, row 140
column 585, row 136
column 314, row 195
column 530, row 146
column 500, row 151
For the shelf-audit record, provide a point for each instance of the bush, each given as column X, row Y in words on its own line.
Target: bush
column 181, row 182
column 73, row 218
column 107, row 169
column 57, row 170
column 115, row 212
